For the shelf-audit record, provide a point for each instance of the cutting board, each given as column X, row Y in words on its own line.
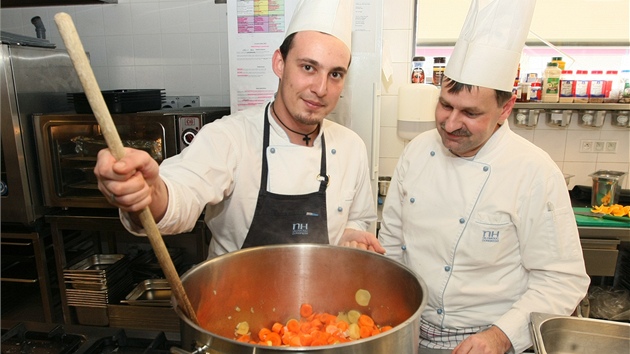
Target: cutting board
column 583, row 220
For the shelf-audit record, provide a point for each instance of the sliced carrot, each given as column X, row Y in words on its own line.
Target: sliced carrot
column 365, row 331
column 293, row 325
column 306, row 310
column 305, row 339
column 316, row 329
column 316, row 323
column 365, row 320
column 342, row 325
column 274, row 339
column 277, row 327
column 244, row 338
column 262, row 334
column 295, row 341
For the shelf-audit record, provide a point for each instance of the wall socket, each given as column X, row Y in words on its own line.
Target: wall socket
column 599, row 146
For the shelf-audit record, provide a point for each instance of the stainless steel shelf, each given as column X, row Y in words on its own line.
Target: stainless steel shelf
column 574, row 106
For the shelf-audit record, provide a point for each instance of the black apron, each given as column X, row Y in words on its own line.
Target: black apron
column 282, row 219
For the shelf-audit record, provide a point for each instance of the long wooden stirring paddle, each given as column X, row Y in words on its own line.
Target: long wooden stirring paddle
column 101, row 112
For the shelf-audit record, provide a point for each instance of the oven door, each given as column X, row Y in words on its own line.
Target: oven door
column 68, row 145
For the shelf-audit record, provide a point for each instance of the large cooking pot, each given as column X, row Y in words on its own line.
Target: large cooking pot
column 263, row 285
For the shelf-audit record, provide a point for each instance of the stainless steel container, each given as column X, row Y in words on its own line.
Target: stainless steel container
column 555, row 334
column 263, row 285
column 606, row 187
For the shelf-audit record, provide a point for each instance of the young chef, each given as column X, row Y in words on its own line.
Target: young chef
column 481, row 214
column 281, row 173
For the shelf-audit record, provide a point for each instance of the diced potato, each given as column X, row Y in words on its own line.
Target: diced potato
column 362, row 297
column 353, row 316
column 353, row 331
column 242, row 328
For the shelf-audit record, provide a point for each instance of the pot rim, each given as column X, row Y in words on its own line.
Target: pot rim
column 414, row 317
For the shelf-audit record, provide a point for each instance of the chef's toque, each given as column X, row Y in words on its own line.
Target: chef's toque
column 333, row 17
column 488, row 50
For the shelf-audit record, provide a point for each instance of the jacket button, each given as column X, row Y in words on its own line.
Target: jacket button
column 340, row 209
column 432, row 153
column 272, row 150
column 447, row 268
column 403, row 247
column 486, row 168
column 462, row 220
column 413, row 200
column 440, row 311
column 333, row 151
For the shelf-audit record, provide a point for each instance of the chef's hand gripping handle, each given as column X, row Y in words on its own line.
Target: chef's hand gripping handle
column 101, row 112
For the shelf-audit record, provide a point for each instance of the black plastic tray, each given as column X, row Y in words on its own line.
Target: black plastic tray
column 121, row 101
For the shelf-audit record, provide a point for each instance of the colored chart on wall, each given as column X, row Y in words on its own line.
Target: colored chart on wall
column 260, row 16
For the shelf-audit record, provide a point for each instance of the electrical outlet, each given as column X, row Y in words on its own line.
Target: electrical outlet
column 599, row 145
column 611, row 146
column 586, row 146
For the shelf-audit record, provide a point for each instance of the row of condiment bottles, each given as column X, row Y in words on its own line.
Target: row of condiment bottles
column 596, row 86
column 581, row 86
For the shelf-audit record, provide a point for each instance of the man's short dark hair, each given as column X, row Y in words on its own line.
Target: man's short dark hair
column 456, row 87
column 288, row 43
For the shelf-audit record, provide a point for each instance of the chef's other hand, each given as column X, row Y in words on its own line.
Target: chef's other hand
column 490, row 341
column 128, row 183
column 361, row 240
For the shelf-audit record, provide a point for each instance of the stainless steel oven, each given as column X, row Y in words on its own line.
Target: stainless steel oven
column 32, row 80
column 67, row 147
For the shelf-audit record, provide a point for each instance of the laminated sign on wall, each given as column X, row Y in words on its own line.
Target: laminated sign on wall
column 255, row 30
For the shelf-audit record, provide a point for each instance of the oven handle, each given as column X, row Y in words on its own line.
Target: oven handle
column 101, row 112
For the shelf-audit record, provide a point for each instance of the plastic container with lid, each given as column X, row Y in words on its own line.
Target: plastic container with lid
column 417, row 70
column 567, row 86
column 625, row 87
column 582, row 83
column 535, row 93
column 439, row 64
column 551, row 83
column 596, row 91
column 611, row 89
column 561, row 63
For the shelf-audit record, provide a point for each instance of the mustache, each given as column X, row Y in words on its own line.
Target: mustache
column 459, row 132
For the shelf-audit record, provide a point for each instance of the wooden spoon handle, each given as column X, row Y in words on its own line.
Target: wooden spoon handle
column 101, row 112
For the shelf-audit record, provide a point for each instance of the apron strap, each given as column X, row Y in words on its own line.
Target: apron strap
column 323, row 177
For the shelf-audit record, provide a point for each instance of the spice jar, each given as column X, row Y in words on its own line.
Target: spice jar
column 439, row 64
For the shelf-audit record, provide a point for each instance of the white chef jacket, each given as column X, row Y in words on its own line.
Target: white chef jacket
column 494, row 236
column 220, row 172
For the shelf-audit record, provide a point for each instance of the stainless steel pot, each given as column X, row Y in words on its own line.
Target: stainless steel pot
column 263, row 285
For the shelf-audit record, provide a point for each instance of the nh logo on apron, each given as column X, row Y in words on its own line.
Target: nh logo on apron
column 300, row 229
column 490, row 236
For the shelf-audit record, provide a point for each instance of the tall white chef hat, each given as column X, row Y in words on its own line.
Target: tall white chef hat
column 328, row 16
column 489, row 46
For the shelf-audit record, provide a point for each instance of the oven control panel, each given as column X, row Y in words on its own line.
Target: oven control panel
column 188, row 128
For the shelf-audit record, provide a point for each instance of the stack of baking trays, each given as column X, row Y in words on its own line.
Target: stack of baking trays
column 93, row 283
column 148, row 305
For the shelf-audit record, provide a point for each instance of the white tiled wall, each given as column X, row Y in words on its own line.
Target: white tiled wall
column 155, row 44
column 152, row 44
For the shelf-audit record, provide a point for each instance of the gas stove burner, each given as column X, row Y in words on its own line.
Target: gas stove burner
column 19, row 340
column 46, row 338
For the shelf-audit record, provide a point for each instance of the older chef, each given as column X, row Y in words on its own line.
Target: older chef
column 481, row 214
column 281, row 173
